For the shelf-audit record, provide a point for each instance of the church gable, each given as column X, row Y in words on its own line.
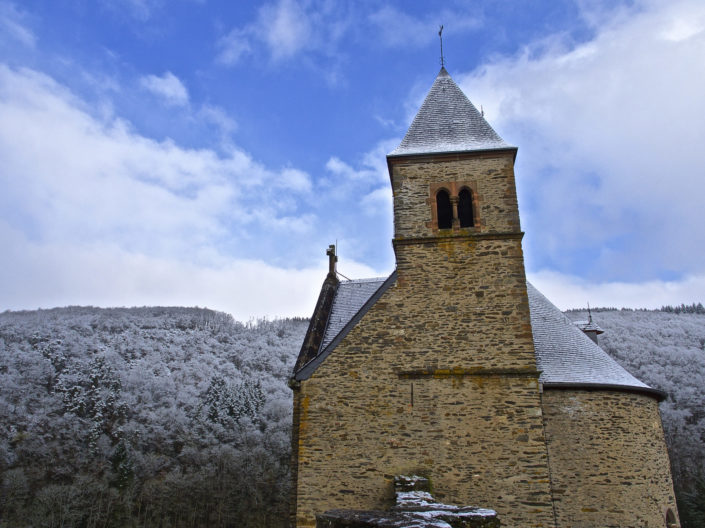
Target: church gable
column 352, row 300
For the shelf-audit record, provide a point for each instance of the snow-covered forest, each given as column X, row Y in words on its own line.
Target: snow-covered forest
column 181, row 416
column 144, row 417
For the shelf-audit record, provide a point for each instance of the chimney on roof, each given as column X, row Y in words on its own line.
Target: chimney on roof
column 589, row 328
column 332, row 259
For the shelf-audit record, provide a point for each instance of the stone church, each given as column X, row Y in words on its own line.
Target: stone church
column 456, row 369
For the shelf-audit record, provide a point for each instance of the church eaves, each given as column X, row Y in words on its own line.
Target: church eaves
column 448, row 122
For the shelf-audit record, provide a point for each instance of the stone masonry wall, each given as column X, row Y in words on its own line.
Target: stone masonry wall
column 489, row 175
column 462, row 303
column 609, row 463
column 453, row 331
column 439, row 377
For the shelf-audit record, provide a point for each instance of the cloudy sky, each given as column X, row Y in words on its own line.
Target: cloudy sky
column 205, row 153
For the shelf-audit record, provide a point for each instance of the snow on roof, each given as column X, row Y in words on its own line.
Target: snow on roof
column 350, row 297
column 564, row 354
column 448, row 122
column 589, row 326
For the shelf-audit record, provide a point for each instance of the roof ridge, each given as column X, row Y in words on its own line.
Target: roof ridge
column 371, row 279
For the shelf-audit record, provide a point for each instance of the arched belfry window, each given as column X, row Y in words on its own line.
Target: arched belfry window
column 444, row 210
column 465, row 212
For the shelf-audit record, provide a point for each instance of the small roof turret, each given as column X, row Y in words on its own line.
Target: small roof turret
column 448, row 122
column 589, row 327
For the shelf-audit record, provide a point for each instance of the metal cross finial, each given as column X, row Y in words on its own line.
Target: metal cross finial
column 440, row 36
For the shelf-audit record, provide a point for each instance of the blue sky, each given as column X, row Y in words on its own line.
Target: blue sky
column 196, row 152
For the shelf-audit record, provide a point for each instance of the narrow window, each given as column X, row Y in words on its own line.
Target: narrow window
column 671, row 519
column 465, row 212
column 444, row 210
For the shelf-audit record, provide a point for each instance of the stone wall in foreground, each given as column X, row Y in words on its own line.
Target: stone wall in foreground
column 415, row 388
column 608, row 459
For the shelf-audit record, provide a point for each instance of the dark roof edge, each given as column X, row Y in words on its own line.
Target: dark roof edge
column 307, row 370
column 319, row 321
column 649, row 391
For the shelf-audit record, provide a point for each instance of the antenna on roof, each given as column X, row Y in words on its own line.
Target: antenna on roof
column 440, row 36
column 336, row 259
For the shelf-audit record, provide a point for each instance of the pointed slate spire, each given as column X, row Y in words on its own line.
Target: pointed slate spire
column 448, row 122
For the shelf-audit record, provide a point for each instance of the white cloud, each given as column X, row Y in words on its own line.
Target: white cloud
column 294, row 179
column 285, row 27
column 288, row 29
column 358, row 205
column 94, row 213
column 74, row 178
column 373, row 165
column 344, row 171
column 168, row 87
column 47, row 275
column 109, row 276
column 234, row 46
column 567, row 291
column 610, row 135
column 377, row 202
column 291, row 28
column 13, row 25
column 218, row 117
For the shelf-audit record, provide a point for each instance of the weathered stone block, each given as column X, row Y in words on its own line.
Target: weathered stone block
column 414, row 508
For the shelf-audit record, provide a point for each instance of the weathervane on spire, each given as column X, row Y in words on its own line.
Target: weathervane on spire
column 440, row 36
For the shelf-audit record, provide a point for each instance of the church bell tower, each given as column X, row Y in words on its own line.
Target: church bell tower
column 457, row 236
column 432, row 371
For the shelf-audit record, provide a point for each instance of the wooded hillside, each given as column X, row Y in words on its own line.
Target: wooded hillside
column 181, row 416
column 144, row 417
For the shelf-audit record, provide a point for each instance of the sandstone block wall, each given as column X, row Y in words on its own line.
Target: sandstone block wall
column 439, row 379
column 479, row 441
column 608, row 459
column 461, row 303
column 489, row 175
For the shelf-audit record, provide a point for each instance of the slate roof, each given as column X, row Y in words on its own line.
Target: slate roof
column 448, row 122
column 565, row 356
column 353, row 299
column 349, row 299
column 589, row 326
